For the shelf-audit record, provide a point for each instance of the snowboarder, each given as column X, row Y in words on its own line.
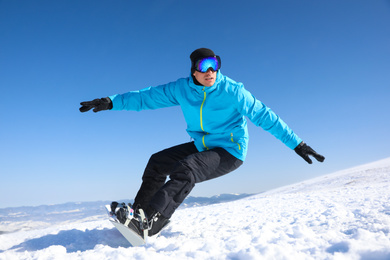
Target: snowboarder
column 215, row 108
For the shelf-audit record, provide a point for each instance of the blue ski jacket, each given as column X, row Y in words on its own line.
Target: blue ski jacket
column 215, row 116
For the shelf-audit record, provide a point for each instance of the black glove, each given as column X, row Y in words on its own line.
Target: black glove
column 98, row 104
column 304, row 151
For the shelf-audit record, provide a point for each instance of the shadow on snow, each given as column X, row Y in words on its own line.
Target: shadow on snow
column 75, row 240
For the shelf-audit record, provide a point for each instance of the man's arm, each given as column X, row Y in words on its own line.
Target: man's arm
column 148, row 98
column 263, row 116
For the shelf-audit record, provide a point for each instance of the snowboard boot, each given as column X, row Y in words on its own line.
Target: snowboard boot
column 135, row 225
column 156, row 223
column 153, row 224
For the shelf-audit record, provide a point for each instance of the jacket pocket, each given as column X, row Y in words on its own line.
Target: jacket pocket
column 231, row 139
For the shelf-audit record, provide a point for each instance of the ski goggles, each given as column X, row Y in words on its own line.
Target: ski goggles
column 204, row 64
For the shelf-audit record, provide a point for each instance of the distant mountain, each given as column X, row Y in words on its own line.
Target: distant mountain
column 203, row 201
column 80, row 210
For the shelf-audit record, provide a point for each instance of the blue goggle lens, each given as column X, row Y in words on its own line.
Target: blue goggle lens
column 204, row 64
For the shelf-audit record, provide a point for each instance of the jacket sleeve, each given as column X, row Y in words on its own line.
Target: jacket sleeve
column 147, row 98
column 263, row 116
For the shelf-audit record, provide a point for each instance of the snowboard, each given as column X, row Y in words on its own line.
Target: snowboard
column 130, row 235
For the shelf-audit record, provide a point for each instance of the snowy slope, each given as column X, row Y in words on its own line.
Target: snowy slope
column 345, row 215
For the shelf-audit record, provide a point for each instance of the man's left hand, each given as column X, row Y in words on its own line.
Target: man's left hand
column 304, row 151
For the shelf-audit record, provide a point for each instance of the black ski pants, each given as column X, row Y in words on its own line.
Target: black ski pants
column 185, row 166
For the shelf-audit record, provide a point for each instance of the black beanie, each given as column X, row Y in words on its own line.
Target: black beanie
column 198, row 54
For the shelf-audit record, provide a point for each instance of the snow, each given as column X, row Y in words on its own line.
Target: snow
column 344, row 215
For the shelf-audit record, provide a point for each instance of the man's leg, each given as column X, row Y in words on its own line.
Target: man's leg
column 158, row 168
column 195, row 168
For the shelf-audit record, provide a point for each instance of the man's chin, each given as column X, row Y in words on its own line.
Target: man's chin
column 208, row 84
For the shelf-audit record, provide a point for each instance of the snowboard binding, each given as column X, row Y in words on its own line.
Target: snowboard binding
column 125, row 214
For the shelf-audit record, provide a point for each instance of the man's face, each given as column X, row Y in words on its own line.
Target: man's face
column 207, row 78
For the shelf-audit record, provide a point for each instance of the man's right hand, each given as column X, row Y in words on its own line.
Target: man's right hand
column 98, row 104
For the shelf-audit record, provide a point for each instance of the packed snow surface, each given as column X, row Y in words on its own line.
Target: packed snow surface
column 345, row 215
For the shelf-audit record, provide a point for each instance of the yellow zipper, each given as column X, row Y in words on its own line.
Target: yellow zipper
column 201, row 110
column 239, row 146
column 204, row 144
column 201, row 118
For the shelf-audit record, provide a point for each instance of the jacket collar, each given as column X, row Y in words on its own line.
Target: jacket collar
column 199, row 88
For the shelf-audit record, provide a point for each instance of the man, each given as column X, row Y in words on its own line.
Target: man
column 215, row 108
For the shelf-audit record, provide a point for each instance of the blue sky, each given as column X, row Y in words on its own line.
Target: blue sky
column 322, row 66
